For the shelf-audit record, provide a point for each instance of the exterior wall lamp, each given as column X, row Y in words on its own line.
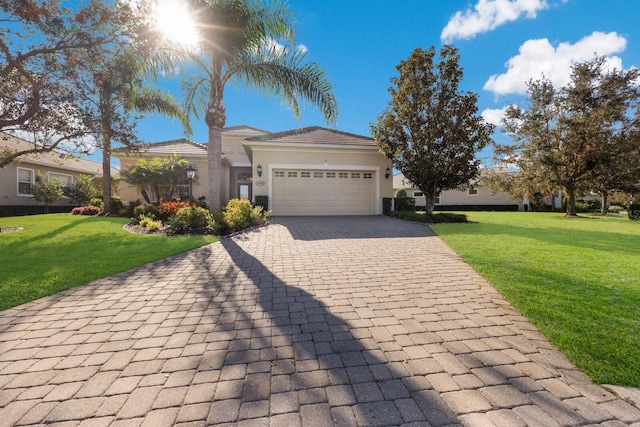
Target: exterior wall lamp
column 191, row 173
column 259, row 169
column 387, row 173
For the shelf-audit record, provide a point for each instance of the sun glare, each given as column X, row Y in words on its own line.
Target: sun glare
column 174, row 21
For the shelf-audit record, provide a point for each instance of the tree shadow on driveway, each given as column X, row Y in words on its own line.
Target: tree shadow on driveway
column 329, row 370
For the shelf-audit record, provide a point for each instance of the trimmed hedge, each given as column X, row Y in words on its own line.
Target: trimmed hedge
column 436, row 218
column 19, row 210
column 262, row 201
column 404, row 204
column 387, row 204
column 467, row 208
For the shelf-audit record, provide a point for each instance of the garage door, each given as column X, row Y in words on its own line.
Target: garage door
column 314, row 192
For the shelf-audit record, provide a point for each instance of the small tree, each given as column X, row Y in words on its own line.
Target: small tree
column 82, row 191
column 430, row 129
column 46, row 192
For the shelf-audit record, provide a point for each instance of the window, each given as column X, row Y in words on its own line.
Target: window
column 243, row 176
column 317, row 174
column 472, row 191
column 292, row 174
column 355, row 175
column 417, row 194
column 279, row 174
column 25, row 181
column 438, row 199
column 305, row 174
column 66, row 181
column 343, row 175
column 331, row 174
column 367, row 175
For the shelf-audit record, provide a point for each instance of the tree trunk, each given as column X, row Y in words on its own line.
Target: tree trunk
column 429, row 201
column 605, row 200
column 571, row 200
column 214, row 156
column 106, row 173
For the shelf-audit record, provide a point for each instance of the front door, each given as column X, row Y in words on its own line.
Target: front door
column 244, row 191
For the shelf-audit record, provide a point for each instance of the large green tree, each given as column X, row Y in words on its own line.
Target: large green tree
column 571, row 138
column 249, row 43
column 39, row 90
column 430, row 129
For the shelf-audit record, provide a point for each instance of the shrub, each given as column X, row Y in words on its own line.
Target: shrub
column 97, row 202
column 634, row 212
column 387, row 203
column 170, row 208
column 405, row 204
column 149, row 222
column 259, row 216
column 615, row 209
column 401, row 192
column 582, row 207
column 440, row 217
column 131, row 206
column 85, row 210
column 237, row 214
column 262, row 201
column 175, row 225
column 116, row 204
column 145, row 210
column 192, row 218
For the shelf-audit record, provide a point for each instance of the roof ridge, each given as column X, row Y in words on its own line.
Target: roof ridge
column 245, row 127
column 308, row 129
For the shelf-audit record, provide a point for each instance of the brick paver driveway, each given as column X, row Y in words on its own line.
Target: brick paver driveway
column 309, row 321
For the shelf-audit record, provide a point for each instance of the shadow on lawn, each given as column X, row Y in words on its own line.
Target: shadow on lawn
column 588, row 239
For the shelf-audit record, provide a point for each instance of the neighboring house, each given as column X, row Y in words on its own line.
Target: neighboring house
column 475, row 195
column 308, row 171
column 17, row 178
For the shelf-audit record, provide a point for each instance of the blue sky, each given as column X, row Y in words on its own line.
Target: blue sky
column 502, row 44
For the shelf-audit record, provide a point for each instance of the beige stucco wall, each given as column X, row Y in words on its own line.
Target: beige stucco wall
column 319, row 158
column 456, row 197
column 9, row 183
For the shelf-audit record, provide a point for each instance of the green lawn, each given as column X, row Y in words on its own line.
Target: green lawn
column 577, row 280
column 59, row 251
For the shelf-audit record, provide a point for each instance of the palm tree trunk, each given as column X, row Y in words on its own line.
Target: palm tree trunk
column 214, row 157
column 106, row 174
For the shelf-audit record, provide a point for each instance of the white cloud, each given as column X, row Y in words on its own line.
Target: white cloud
column 494, row 116
column 537, row 58
column 302, row 49
column 487, row 15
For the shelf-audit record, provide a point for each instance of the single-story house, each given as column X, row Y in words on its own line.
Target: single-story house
column 17, row 178
column 308, row 171
column 474, row 195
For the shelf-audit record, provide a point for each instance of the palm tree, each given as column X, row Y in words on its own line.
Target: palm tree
column 141, row 175
column 241, row 44
column 121, row 92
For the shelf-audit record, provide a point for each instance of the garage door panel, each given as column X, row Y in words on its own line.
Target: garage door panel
column 309, row 192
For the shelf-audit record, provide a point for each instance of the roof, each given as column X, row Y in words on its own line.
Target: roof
column 244, row 129
column 52, row 159
column 399, row 181
column 182, row 146
column 315, row 135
